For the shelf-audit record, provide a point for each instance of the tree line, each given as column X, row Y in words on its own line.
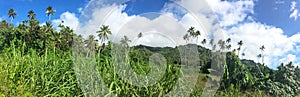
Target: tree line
column 239, row 75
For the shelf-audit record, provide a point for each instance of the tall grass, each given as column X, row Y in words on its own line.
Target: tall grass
column 54, row 74
column 32, row 75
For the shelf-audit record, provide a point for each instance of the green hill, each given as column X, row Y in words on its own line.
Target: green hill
column 37, row 60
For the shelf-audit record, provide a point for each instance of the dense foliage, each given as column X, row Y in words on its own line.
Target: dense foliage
column 37, row 60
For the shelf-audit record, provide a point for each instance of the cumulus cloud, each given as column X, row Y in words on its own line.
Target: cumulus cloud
column 166, row 26
column 293, row 5
column 231, row 13
column 113, row 17
column 166, row 23
column 294, row 12
column 288, row 58
column 68, row 18
column 254, row 35
column 216, row 15
column 201, row 14
column 169, row 27
column 197, row 13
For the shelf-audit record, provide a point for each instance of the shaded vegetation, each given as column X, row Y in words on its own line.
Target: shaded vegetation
column 37, row 60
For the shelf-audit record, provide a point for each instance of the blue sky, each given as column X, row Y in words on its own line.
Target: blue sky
column 276, row 13
column 141, row 6
column 268, row 16
column 271, row 12
column 39, row 7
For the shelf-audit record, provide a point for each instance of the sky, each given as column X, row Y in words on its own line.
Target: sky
column 272, row 23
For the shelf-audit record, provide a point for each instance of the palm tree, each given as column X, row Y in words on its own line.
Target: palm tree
column 234, row 50
column 48, row 36
column 221, row 44
column 203, row 42
column 79, row 42
column 211, row 42
column 66, row 34
column 90, row 44
column 262, row 48
column 228, row 47
column 259, row 56
column 3, row 24
column 49, row 29
column 228, row 40
column 191, row 33
column 186, row 37
column 124, row 41
column 103, row 35
column 240, row 43
column 243, row 54
column 140, row 35
column 31, row 15
column 197, row 34
column 49, row 12
column 11, row 14
column 214, row 47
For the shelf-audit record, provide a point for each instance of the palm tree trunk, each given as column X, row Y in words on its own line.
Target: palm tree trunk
column 262, row 58
column 49, row 17
column 11, row 20
column 87, row 54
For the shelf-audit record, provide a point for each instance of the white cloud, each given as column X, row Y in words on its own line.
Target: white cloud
column 231, row 13
column 254, row 35
column 69, row 20
column 198, row 14
column 294, row 12
column 121, row 24
column 293, row 5
column 165, row 24
column 79, row 10
column 202, row 15
column 279, row 2
column 224, row 13
column 288, row 58
column 110, row 15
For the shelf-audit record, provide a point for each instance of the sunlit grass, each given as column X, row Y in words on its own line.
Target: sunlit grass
column 53, row 74
column 31, row 74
